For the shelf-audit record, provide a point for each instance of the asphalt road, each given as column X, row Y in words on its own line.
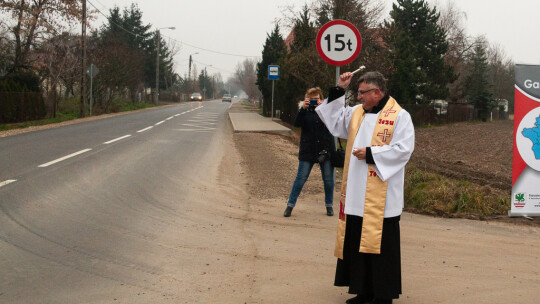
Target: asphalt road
column 84, row 208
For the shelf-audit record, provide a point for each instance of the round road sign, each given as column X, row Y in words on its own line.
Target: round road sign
column 339, row 42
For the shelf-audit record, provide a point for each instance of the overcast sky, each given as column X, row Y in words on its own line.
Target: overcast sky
column 240, row 27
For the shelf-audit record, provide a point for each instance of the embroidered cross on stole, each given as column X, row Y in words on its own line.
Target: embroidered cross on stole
column 375, row 200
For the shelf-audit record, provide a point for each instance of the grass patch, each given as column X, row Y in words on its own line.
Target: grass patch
column 60, row 117
column 434, row 194
column 124, row 106
column 69, row 110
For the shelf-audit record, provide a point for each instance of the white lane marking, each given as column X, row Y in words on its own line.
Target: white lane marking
column 116, row 139
column 169, row 118
column 63, row 158
column 176, row 115
column 145, row 129
column 204, row 122
column 195, row 130
column 205, row 128
column 157, row 124
column 7, row 182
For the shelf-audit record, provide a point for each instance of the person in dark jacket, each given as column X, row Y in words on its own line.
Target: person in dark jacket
column 316, row 146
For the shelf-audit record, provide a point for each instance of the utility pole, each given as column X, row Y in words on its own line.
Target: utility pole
column 83, row 60
column 190, row 60
column 189, row 73
column 156, row 96
column 204, row 83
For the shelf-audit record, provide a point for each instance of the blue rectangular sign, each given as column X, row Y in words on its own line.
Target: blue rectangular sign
column 273, row 72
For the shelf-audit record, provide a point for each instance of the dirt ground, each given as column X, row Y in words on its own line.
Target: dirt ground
column 478, row 152
column 443, row 260
column 238, row 248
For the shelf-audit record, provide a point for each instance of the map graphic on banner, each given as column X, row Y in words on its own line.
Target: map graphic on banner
column 525, row 199
column 534, row 135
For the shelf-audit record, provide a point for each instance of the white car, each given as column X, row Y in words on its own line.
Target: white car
column 195, row 96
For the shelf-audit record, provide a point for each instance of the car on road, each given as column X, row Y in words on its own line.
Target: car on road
column 226, row 97
column 195, row 96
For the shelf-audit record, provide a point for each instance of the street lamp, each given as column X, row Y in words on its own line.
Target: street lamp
column 156, row 98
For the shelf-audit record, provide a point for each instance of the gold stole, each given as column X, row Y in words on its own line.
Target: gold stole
column 375, row 201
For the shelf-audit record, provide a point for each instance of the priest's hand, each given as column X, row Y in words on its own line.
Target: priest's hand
column 345, row 80
column 360, row 153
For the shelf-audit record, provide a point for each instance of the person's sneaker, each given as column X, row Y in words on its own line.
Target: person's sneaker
column 329, row 211
column 287, row 212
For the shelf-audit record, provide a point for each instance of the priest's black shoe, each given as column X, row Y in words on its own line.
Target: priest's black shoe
column 329, row 211
column 287, row 212
column 359, row 299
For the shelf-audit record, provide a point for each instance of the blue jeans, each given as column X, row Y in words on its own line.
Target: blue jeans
column 304, row 168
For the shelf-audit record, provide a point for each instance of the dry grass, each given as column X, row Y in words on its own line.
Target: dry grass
column 435, row 194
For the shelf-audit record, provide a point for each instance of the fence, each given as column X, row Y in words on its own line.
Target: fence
column 426, row 114
column 21, row 106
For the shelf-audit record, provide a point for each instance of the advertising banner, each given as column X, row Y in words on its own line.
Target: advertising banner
column 526, row 160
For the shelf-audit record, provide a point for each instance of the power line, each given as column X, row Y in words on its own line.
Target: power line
column 193, row 46
column 121, row 27
column 212, row 51
column 102, row 5
column 213, row 67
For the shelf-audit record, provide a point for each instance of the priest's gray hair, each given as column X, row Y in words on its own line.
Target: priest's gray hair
column 374, row 78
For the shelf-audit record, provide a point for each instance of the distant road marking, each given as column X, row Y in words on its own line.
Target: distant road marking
column 202, row 121
column 116, row 139
column 63, row 158
column 176, row 115
column 170, row 118
column 157, row 124
column 189, row 125
column 195, row 130
column 145, row 129
column 7, row 182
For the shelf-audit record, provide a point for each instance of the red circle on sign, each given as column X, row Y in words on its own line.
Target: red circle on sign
column 353, row 29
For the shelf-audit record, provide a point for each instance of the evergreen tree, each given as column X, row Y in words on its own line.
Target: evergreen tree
column 274, row 49
column 417, row 45
column 205, row 83
column 126, row 30
column 365, row 15
column 478, row 85
column 301, row 68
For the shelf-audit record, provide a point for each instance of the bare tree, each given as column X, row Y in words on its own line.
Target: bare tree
column 54, row 59
column 500, row 72
column 459, row 46
column 5, row 53
column 31, row 22
column 245, row 77
column 119, row 75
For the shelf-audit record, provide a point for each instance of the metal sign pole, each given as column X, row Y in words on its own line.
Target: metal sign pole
column 335, row 138
column 273, row 99
column 92, row 72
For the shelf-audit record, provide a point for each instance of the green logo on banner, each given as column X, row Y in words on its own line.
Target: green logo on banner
column 520, row 197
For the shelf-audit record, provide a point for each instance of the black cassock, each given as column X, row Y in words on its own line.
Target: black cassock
column 373, row 275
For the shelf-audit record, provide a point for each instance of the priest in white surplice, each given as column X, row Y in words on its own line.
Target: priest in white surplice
column 380, row 141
